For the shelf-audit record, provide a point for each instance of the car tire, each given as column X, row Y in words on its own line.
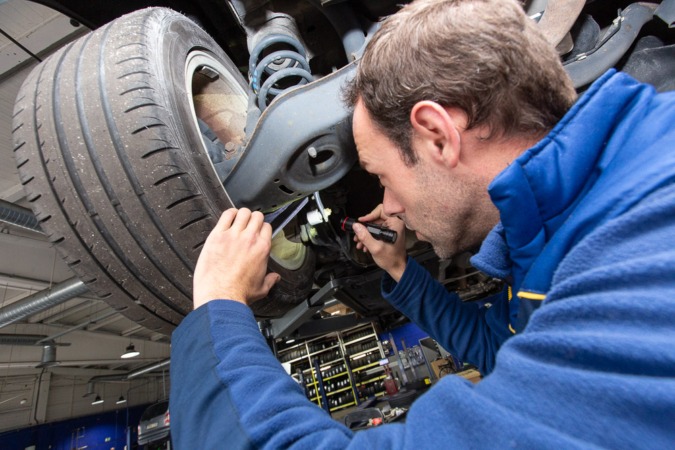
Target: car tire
column 109, row 149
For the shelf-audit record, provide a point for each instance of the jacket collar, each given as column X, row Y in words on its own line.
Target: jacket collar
column 537, row 192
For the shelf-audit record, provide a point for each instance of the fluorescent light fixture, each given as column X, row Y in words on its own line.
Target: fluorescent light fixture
column 97, row 401
column 121, row 400
column 130, row 352
column 290, row 341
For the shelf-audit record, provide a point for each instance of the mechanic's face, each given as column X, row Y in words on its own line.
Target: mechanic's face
column 431, row 201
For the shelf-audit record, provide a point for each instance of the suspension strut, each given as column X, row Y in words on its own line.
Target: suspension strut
column 289, row 64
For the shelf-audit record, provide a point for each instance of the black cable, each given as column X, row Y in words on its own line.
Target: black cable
column 33, row 55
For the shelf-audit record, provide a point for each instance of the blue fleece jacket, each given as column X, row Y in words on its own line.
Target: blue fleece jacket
column 588, row 219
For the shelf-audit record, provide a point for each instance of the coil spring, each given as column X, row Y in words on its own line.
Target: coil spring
column 276, row 66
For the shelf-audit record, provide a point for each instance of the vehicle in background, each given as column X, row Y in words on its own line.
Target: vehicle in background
column 154, row 431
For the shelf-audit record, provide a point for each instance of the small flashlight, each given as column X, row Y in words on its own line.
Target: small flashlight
column 377, row 231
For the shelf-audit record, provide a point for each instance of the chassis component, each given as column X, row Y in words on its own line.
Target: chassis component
column 132, row 140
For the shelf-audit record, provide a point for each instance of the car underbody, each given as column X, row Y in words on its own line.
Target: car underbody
column 168, row 119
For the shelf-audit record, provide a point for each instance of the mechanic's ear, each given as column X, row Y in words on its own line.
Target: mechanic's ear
column 435, row 133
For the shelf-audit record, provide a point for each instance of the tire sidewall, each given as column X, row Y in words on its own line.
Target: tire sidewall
column 178, row 37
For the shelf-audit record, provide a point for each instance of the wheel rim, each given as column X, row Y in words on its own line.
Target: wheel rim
column 218, row 100
column 288, row 254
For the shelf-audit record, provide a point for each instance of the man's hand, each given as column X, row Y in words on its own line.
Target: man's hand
column 233, row 262
column 390, row 257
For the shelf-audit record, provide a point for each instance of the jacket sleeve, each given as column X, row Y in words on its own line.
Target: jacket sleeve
column 469, row 331
column 229, row 391
column 595, row 367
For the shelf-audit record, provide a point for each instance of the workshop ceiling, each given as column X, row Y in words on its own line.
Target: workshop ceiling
column 88, row 336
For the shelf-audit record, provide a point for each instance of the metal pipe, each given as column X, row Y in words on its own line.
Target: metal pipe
column 18, row 216
column 57, row 294
column 124, row 377
column 21, row 339
column 42, row 300
column 147, row 369
column 77, row 327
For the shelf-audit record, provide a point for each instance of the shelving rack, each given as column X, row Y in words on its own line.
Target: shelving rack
column 348, row 366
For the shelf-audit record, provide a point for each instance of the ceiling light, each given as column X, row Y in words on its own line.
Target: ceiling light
column 290, row 341
column 130, row 352
column 121, row 400
column 97, row 401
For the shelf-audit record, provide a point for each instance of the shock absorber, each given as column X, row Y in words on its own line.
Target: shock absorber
column 278, row 70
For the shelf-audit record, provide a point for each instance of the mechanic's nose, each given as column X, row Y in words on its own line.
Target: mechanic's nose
column 390, row 205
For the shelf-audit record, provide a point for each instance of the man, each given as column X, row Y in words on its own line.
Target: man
column 438, row 104
column 583, row 210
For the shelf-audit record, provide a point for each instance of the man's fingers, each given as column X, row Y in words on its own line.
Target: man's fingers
column 364, row 236
column 242, row 219
column 375, row 214
column 266, row 231
column 226, row 219
column 270, row 280
column 256, row 220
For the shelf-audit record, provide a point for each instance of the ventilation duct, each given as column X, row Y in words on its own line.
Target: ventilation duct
column 125, row 377
column 42, row 300
column 24, row 218
column 18, row 216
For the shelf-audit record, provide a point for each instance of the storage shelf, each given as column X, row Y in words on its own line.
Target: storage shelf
column 361, row 383
column 337, row 343
column 364, row 352
column 328, row 394
column 324, row 350
column 291, row 361
column 332, row 335
column 327, row 363
column 342, row 406
column 358, row 369
column 377, row 394
column 335, row 376
column 363, row 338
column 324, row 364
column 371, row 370
column 292, row 347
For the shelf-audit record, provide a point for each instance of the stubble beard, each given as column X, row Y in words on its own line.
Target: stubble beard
column 461, row 222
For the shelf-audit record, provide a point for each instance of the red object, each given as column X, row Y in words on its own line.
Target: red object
column 344, row 223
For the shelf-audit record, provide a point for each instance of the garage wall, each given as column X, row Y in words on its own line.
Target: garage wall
column 98, row 432
column 57, row 397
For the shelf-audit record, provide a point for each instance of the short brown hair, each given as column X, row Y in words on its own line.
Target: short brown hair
column 485, row 57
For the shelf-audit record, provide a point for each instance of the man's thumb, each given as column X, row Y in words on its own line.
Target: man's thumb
column 270, row 280
column 361, row 232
